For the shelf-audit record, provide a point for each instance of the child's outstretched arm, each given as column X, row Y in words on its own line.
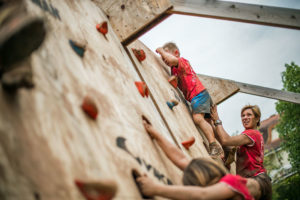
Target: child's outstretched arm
column 167, row 57
column 150, row 188
column 172, row 152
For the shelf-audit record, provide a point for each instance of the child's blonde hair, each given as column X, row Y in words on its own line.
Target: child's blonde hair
column 171, row 46
column 203, row 172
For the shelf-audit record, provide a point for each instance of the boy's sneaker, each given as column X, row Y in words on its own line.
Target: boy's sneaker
column 215, row 150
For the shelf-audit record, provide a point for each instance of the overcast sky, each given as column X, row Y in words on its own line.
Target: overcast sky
column 241, row 52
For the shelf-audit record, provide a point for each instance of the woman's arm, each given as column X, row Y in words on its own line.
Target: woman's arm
column 172, row 152
column 216, row 191
column 224, row 138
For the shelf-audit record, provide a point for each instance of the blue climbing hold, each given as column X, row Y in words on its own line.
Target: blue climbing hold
column 172, row 104
column 78, row 48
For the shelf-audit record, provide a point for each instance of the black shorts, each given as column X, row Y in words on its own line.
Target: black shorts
column 265, row 186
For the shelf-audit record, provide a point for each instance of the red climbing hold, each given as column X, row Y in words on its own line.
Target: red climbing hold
column 101, row 190
column 139, row 54
column 142, row 88
column 102, row 28
column 89, row 107
column 188, row 143
column 173, row 81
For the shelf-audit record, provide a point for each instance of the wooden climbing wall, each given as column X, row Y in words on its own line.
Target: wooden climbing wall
column 47, row 141
column 179, row 120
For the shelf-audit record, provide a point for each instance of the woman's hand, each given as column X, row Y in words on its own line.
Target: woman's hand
column 214, row 112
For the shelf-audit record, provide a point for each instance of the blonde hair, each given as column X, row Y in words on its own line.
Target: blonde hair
column 171, row 46
column 202, row 172
column 255, row 109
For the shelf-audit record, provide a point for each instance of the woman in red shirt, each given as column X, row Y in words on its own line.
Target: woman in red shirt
column 250, row 143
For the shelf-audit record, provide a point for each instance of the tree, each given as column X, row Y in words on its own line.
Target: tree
column 287, row 189
column 289, row 132
column 289, row 124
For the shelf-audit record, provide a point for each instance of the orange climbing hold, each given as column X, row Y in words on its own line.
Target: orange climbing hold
column 100, row 190
column 89, row 107
column 173, row 81
column 142, row 88
column 188, row 143
column 102, row 28
column 139, row 54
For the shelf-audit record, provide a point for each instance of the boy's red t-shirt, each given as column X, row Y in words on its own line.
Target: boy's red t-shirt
column 237, row 184
column 250, row 158
column 188, row 81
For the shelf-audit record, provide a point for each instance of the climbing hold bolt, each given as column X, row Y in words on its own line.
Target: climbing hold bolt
column 172, row 104
column 139, row 54
column 89, row 107
column 97, row 190
column 77, row 47
column 188, row 143
column 173, row 81
column 142, row 88
column 102, row 28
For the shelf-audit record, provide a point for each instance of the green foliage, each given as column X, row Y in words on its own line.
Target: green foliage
column 287, row 189
column 289, row 124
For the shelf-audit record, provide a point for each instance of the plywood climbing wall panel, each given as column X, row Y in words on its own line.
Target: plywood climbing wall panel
column 131, row 16
column 180, row 122
column 47, row 141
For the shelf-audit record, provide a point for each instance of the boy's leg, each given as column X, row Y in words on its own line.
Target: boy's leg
column 201, row 106
column 205, row 127
column 215, row 149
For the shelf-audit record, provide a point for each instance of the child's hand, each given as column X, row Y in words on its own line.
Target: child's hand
column 147, row 185
column 149, row 128
column 159, row 50
column 214, row 112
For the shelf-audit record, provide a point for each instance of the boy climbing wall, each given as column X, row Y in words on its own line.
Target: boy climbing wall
column 193, row 91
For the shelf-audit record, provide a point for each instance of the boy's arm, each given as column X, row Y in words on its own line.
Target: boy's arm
column 167, row 57
column 172, row 152
column 150, row 188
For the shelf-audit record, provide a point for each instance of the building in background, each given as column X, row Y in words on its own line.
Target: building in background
column 276, row 159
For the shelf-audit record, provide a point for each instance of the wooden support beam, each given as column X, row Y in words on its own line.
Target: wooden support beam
column 269, row 92
column 219, row 89
column 130, row 19
column 240, row 12
column 216, row 85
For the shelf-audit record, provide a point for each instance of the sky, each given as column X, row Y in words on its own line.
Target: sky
column 242, row 52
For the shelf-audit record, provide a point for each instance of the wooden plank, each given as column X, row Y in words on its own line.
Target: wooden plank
column 219, row 89
column 132, row 18
column 269, row 92
column 240, row 12
column 47, row 141
column 156, row 74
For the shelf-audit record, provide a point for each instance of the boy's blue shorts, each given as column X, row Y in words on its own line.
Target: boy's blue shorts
column 202, row 103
